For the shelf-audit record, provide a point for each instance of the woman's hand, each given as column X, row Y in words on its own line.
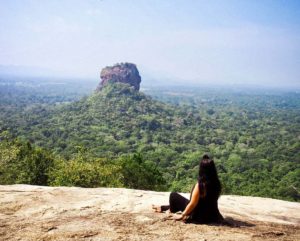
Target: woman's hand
column 180, row 217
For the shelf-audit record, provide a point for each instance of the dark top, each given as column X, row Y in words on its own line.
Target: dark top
column 207, row 210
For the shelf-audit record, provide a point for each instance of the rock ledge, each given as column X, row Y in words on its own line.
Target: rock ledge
column 72, row 213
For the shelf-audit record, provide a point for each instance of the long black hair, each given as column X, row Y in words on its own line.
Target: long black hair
column 209, row 183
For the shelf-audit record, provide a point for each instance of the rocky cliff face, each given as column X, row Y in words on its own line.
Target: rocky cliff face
column 124, row 73
column 72, row 213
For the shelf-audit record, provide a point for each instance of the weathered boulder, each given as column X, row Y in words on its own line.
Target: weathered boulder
column 124, row 73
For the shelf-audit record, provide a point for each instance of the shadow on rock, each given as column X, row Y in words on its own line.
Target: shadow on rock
column 228, row 221
column 231, row 222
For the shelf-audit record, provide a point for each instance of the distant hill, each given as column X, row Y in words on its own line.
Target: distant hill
column 104, row 121
column 116, row 118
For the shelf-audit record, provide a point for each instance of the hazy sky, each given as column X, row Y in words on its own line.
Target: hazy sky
column 253, row 42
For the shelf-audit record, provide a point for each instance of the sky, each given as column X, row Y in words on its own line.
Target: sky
column 221, row 42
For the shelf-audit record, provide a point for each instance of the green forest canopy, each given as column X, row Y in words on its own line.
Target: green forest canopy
column 124, row 138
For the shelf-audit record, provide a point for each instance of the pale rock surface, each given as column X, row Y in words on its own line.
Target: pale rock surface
column 72, row 213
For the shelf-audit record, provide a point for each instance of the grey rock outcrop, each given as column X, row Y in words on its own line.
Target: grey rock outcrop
column 124, row 73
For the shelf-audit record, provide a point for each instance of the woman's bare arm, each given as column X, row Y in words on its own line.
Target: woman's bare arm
column 192, row 204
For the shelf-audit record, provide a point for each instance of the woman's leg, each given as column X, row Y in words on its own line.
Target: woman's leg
column 165, row 208
column 177, row 202
column 160, row 209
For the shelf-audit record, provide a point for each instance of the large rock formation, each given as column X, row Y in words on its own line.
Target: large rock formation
column 124, row 73
column 72, row 213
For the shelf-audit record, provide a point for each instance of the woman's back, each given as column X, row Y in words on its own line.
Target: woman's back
column 207, row 211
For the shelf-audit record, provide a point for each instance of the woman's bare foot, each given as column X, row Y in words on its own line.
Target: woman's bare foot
column 157, row 209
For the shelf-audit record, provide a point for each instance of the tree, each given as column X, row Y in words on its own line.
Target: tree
column 139, row 174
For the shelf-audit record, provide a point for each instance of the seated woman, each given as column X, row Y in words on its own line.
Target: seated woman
column 203, row 204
